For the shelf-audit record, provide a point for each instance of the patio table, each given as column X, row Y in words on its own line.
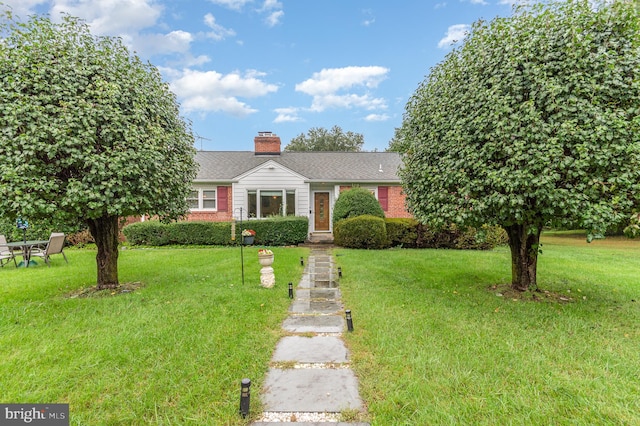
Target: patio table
column 26, row 247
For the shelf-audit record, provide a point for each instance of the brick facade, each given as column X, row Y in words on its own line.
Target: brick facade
column 210, row 216
column 395, row 201
column 396, row 207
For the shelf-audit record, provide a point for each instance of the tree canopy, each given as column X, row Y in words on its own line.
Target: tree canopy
column 321, row 139
column 533, row 120
column 87, row 132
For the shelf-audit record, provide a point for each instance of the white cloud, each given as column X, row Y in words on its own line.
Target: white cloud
column 210, row 91
column 455, row 34
column 111, row 17
column 274, row 18
column 271, row 4
column 231, row 4
column 482, row 2
column 219, row 32
column 325, row 85
column 287, row 115
column 274, row 11
column 321, row 103
column 377, row 117
column 440, row 5
column 23, row 8
column 152, row 44
column 330, row 80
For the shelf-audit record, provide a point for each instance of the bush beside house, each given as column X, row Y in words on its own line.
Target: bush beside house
column 355, row 202
column 363, row 232
column 366, row 232
column 278, row 231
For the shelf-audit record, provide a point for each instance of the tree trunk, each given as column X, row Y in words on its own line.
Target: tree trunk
column 524, row 242
column 105, row 233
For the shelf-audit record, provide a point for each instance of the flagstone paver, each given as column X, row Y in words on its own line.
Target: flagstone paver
column 310, row 380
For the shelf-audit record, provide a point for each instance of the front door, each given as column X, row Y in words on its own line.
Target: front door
column 321, row 211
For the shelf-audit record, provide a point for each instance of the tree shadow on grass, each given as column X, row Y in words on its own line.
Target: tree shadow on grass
column 88, row 292
column 539, row 295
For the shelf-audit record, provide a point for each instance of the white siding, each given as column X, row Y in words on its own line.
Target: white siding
column 271, row 176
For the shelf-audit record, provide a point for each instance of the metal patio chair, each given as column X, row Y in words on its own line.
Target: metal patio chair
column 6, row 254
column 54, row 246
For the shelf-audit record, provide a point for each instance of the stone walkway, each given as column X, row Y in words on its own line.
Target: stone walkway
column 310, row 381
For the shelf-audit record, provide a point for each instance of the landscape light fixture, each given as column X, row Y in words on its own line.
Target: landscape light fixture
column 339, row 271
column 290, row 290
column 302, row 260
column 349, row 320
column 245, row 397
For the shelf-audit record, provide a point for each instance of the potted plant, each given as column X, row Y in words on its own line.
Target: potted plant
column 267, row 277
column 248, row 235
column 265, row 257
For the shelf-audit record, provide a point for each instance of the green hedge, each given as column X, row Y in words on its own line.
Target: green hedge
column 366, row 231
column 278, row 231
column 411, row 234
column 402, row 232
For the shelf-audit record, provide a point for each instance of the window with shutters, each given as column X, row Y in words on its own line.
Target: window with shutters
column 203, row 199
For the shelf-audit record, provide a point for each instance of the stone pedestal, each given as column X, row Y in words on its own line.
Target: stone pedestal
column 267, row 277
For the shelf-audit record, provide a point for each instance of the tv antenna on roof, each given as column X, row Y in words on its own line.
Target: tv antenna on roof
column 200, row 138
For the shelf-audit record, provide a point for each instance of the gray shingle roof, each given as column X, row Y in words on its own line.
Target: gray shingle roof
column 315, row 166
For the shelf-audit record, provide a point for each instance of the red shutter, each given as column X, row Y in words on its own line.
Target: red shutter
column 223, row 198
column 383, row 197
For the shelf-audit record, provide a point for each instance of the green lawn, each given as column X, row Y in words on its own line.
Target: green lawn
column 171, row 352
column 439, row 339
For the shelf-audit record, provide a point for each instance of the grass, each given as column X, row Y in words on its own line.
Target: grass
column 171, row 352
column 437, row 340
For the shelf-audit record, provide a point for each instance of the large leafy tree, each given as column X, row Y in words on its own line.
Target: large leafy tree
column 87, row 132
column 321, row 139
column 533, row 120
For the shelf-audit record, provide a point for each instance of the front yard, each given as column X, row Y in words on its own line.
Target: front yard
column 438, row 337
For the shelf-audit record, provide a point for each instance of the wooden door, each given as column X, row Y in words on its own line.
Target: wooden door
column 321, row 211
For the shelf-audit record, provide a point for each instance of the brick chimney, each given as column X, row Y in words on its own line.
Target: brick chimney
column 267, row 143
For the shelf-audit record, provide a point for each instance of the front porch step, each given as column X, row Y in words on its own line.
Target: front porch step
column 320, row 238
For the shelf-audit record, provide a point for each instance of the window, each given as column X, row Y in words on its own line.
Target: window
column 192, row 200
column 208, row 199
column 265, row 203
column 202, row 199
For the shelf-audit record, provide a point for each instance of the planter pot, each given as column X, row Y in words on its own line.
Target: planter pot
column 267, row 277
column 247, row 241
column 265, row 259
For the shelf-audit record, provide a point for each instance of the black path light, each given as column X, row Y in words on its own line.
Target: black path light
column 302, row 260
column 340, row 271
column 245, row 397
column 290, row 290
column 349, row 320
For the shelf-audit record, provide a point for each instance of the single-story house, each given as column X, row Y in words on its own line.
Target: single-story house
column 257, row 184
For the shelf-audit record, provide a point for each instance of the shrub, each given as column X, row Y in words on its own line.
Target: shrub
column 364, row 231
column 468, row 238
column 276, row 231
column 402, row 232
column 149, row 233
column 356, row 202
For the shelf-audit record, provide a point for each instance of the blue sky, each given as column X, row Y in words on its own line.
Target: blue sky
column 243, row 66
